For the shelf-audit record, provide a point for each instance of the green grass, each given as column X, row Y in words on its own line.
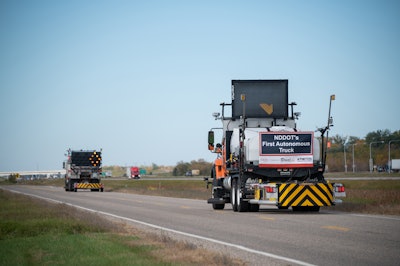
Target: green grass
column 34, row 232
column 74, row 249
column 194, row 189
column 371, row 196
column 372, row 184
column 358, row 174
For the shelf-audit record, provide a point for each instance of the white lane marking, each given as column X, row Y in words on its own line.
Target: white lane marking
column 262, row 253
column 376, row 216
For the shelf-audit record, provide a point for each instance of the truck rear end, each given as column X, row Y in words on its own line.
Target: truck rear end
column 83, row 170
column 263, row 158
column 134, row 172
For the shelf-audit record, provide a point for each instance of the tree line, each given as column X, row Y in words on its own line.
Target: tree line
column 344, row 150
column 182, row 167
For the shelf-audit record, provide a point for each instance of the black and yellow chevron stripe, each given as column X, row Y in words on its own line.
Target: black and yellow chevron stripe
column 305, row 194
column 88, row 185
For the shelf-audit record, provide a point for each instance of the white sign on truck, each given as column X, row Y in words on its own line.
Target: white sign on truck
column 286, row 149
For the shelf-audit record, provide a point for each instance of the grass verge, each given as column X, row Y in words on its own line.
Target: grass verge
column 371, row 196
column 193, row 189
column 37, row 232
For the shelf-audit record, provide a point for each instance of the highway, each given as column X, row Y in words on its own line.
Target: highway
column 270, row 237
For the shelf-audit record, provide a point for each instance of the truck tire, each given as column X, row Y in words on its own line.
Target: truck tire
column 238, row 204
column 218, row 206
column 234, row 195
column 215, row 192
column 69, row 187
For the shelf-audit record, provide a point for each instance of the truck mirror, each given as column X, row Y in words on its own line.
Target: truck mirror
column 211, row 140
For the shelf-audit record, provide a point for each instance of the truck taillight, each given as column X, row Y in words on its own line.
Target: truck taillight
column 270, row 189
column 339, row 189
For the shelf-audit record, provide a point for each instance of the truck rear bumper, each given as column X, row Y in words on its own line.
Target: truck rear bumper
column 274, row 203
column 337, row 201
column 97, row 186
column 263, row 202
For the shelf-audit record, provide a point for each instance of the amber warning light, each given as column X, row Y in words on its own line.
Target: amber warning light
column 95, row 159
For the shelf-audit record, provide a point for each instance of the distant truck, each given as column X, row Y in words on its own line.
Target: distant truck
column 83, row 170
column 134, row 172
column 194, row 172
column 395, row 165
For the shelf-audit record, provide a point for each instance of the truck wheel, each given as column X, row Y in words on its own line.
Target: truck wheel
column 234, row 195
column 218, row 206
column 242, row 206
column 238, row 204
column 216, row 194
column 67, row 186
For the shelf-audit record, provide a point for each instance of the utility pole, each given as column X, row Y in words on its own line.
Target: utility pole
column 371, row 162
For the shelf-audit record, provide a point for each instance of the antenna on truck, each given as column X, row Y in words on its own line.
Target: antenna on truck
column 326, row 129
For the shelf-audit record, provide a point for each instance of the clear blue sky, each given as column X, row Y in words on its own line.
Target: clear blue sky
column 140, row 79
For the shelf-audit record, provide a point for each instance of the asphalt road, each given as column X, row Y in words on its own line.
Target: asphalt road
column 269, row 236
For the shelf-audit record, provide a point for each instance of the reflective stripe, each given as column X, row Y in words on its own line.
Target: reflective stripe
column 305, row 195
